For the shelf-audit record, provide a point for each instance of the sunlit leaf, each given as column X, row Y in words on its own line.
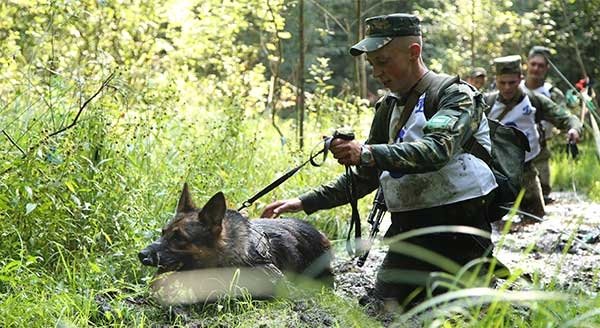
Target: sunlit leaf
column 284, row 35
column 30, row 207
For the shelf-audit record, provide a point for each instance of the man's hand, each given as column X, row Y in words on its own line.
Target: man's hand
column 274, row 209
column 347, row 152
column 573, row 135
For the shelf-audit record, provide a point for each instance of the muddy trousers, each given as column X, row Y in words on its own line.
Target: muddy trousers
column 533, row 200
column 542, row 164
column 402, row 275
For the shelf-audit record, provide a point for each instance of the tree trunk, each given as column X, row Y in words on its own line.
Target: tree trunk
column 359, row 62
column 300, row 95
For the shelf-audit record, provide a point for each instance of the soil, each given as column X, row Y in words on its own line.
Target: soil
column 563, row 249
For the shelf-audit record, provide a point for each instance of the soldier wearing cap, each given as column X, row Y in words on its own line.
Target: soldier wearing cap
column 426, row 177
column 477, row 77
column 537, row 70
column 515, row 105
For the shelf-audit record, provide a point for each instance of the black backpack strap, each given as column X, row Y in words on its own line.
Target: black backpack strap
column 436, row 88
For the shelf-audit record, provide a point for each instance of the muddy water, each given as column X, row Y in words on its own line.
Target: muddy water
column 565, row 247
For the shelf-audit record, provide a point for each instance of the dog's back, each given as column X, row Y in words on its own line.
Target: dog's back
column 297, row 246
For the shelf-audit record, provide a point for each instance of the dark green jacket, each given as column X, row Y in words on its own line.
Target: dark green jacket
column 459, row 116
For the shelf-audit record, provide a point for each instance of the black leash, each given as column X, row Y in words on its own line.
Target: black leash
column 355, row 218
column 326, row 144
column 350, row 191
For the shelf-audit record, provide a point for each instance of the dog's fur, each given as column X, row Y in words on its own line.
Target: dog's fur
column 216, row 237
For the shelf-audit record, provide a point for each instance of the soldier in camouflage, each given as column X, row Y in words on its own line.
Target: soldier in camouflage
column 427, row 179
column 537, row 69
column 477, row 77
column 515, row 105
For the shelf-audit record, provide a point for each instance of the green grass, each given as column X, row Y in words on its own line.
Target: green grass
column 581, row 175
column 75, row 212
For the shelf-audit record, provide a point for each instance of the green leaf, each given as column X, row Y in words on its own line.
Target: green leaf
column 30, row 207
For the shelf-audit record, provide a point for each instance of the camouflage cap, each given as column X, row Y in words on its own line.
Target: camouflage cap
column 508, row 65
column 380, row 30
column 478, row 71
column 539, row 50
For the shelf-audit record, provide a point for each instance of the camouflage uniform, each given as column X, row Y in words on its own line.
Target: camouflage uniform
column 543, row 107
column 542, row 161
column 457, row 118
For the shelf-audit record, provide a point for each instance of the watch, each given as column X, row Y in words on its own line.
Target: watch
column 366, row 156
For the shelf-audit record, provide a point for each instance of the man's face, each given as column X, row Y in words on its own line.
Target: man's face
column 477, row 81
column 508, row 84
column 537, row 68
column 391, row 66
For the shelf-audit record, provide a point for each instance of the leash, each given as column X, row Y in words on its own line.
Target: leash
column 326, row 145
column 354, row 218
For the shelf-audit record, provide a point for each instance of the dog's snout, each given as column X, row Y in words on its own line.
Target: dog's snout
column 146, row 257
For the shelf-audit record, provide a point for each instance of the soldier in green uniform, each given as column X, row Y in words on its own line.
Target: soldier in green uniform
column 515, row 105
column 477, row 77
column 537, row 70
column 427, row 178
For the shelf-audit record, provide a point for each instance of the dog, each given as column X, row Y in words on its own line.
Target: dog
column 214, row 237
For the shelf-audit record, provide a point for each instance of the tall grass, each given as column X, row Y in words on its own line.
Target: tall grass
column 581, row 174
column 75, row 212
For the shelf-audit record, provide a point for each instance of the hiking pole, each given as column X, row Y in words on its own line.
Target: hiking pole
column 375, row 217
column 587, row 103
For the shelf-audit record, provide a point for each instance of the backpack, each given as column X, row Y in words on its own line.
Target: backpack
column 509, row 144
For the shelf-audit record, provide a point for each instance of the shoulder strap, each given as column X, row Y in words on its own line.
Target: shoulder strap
column 413, row 96
column 436, row 88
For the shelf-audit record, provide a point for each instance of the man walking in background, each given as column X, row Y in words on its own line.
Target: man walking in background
column 515, row 105
column 537, row 70
column 477, row 78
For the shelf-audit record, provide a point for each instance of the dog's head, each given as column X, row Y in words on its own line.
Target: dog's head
column 191, row 238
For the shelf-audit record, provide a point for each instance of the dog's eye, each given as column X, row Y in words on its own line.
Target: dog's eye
column 178, row 238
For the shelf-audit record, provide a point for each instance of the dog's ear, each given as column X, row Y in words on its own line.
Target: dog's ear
column 185, row 203
column 214, row 210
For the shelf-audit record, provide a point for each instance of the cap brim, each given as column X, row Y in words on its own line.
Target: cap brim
column 369, row 44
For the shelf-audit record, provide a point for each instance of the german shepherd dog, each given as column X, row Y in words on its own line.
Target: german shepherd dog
column 216, row 237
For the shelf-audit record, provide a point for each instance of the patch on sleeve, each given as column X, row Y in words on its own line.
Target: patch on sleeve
column 441, row 123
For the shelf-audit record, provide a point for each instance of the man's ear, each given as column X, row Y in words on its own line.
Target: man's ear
column 214, row 211
column 414, row 51
column 185, row 203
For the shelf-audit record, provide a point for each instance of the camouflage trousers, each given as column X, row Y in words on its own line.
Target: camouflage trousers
column 542, row 164
column 403, row 273
column 533, row 200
